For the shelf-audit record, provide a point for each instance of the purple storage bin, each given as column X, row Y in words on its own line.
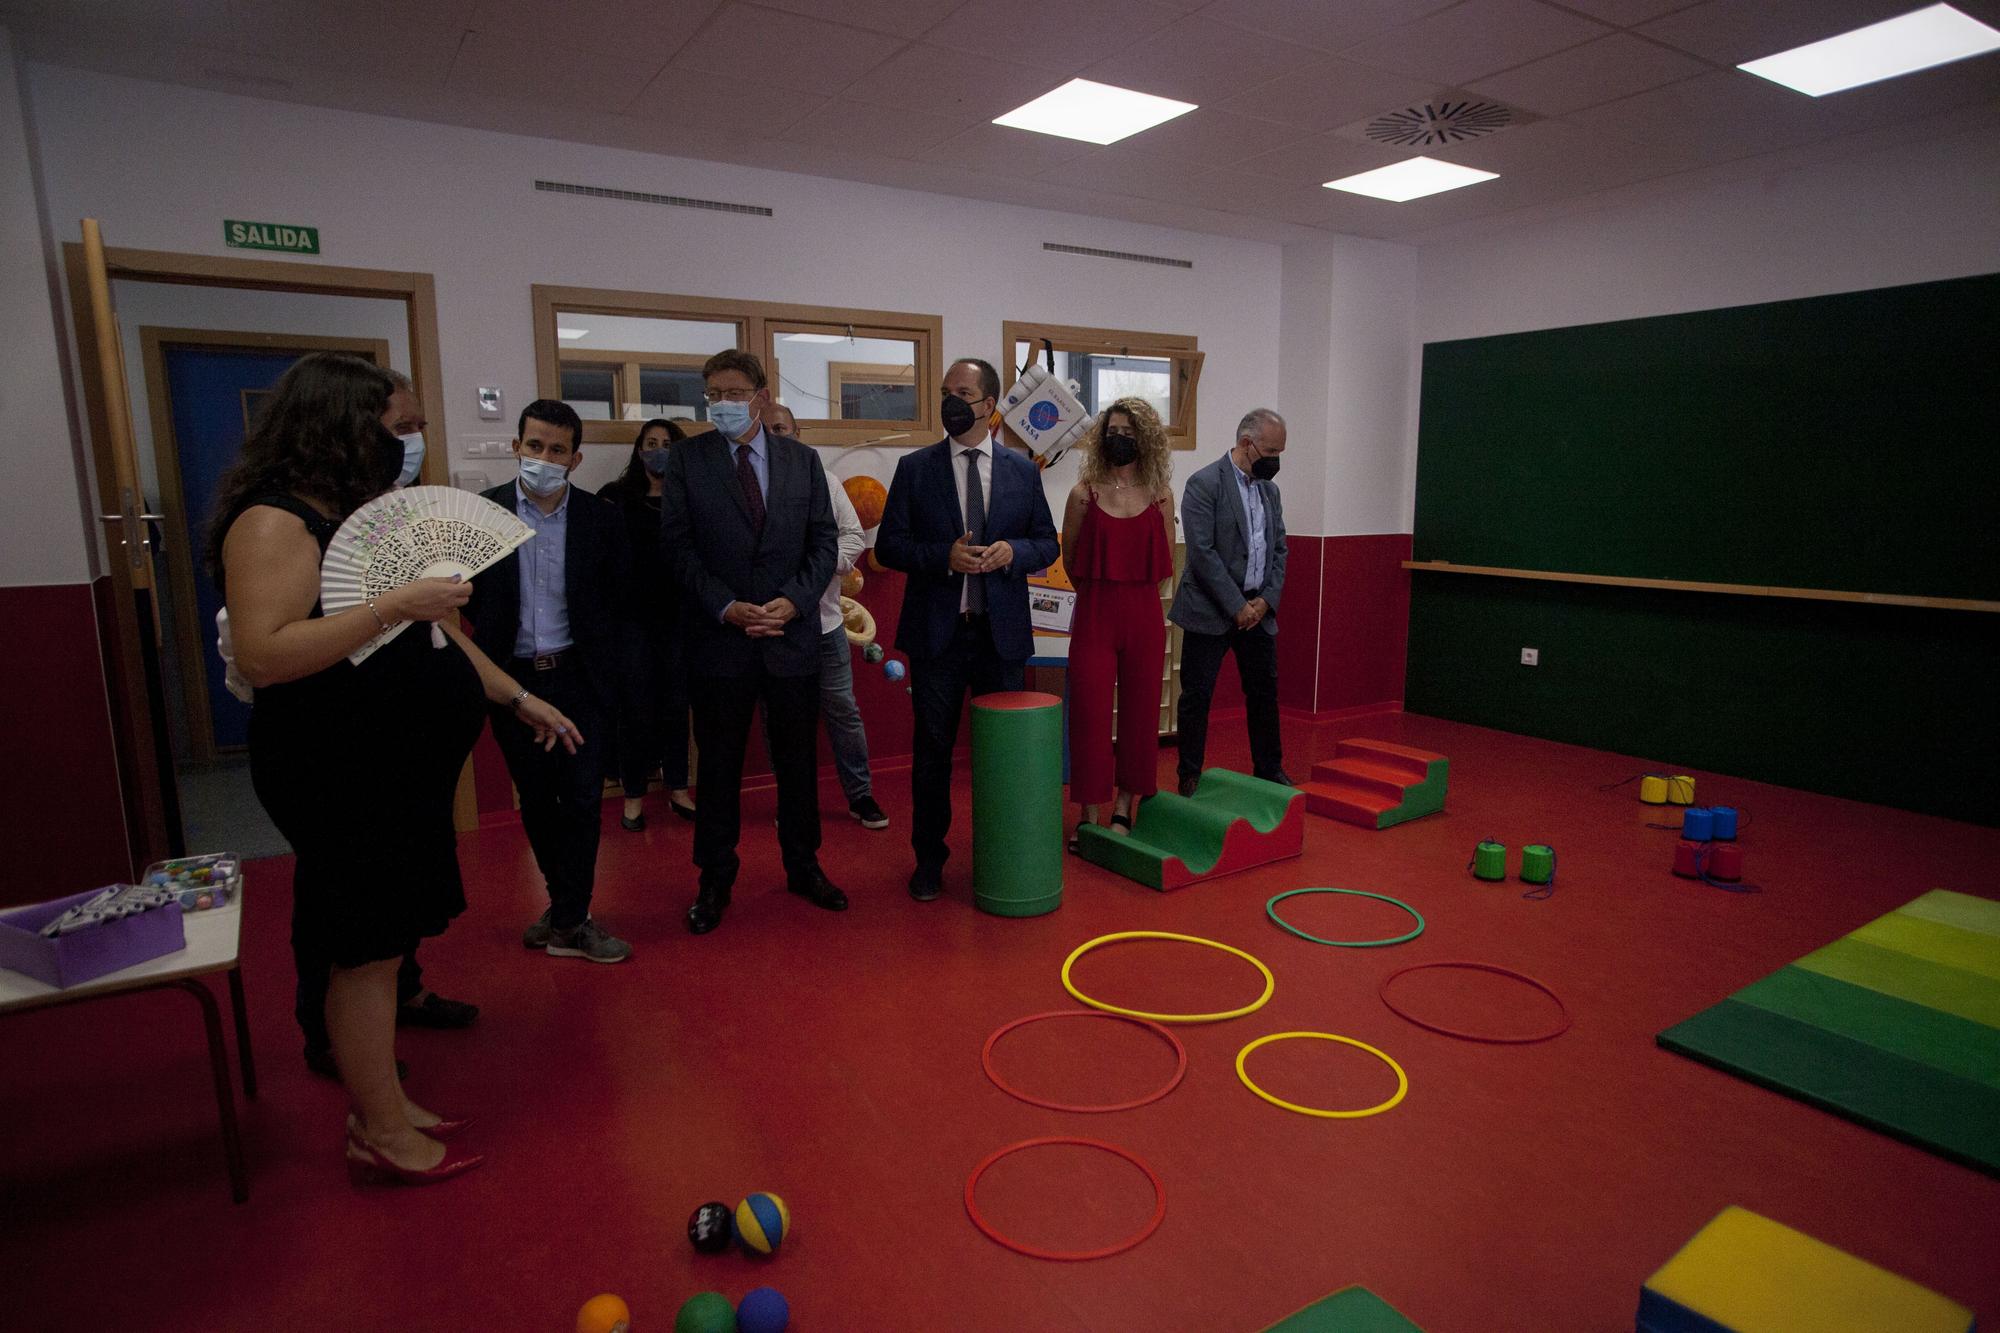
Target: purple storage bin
column 85, row 955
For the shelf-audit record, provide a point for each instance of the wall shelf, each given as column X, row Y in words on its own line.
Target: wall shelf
column 1731, row 589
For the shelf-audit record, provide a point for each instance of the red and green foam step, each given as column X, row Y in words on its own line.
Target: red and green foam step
column 1232, row 822
column 1377, row 784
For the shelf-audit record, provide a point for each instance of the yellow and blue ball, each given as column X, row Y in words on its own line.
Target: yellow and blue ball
column 762, row 1223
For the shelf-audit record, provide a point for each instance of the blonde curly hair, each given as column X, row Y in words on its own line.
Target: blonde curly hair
column 1156, row 464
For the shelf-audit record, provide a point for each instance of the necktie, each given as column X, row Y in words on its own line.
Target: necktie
column 975, row 523
column 746, row 481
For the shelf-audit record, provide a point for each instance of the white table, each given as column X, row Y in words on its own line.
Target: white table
column 213, row 938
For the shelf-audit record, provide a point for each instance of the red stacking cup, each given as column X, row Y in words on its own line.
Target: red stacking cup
column 1725, row 861
column 1687, row 858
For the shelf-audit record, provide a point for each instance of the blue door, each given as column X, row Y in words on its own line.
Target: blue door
column 214, row 393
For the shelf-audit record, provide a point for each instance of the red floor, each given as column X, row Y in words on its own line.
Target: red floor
column 835, row 1060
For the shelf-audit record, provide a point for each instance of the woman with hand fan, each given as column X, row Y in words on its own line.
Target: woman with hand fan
column 356, row 764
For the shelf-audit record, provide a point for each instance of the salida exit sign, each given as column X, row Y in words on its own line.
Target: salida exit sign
column 271, row 236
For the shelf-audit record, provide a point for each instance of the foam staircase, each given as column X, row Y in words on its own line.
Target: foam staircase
column 1232, row 822
column 1377, row 783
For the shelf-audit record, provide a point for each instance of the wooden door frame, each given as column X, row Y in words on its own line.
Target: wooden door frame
column 187, row 631
column 132, row 719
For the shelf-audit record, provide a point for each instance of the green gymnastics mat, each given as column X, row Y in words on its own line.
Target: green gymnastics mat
column 1896, row 1025
column 1349, row 1310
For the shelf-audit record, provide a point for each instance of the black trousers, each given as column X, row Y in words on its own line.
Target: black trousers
column 316, row 971
column 724, row 709
column 1257, row 666
column 938, row 689
column 562, row 794
column 653, row 725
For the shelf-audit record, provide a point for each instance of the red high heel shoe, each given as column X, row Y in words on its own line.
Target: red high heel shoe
column 448, row 1127
column 367, row 1165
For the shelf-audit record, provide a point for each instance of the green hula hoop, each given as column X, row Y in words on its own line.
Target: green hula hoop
column 1271, row 910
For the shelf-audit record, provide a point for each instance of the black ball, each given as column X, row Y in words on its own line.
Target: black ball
column 709, row 1228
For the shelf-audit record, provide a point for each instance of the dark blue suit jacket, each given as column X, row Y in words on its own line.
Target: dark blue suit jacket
column 921, row 520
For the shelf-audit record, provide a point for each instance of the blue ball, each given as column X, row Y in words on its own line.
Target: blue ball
column 762, row 1310
column 894, row 669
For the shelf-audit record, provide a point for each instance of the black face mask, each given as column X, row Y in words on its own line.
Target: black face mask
column 958, row 415
column 1120, row 450
column 1263, row 469
column 385, row 457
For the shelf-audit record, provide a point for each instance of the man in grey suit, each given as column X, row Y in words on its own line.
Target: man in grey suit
column 1234, row 527
column 747, row 529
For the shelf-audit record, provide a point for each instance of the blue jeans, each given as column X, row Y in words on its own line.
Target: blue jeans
column 844, row 732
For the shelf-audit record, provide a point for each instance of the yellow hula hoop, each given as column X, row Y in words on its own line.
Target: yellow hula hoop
column 1402, row 1079
column 1270, row 982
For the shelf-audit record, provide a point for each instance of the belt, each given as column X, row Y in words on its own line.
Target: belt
column 547, row 661
column 971, row 617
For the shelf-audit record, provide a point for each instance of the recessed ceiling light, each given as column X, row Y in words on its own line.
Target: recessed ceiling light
column 812, row 337
column 570, row 333
column 1934, row 36
column 1410, row 180
column 1093, row 112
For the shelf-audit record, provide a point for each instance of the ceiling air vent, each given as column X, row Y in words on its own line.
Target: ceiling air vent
column 1125, row 255
column 1442, row 120
column 640, row 197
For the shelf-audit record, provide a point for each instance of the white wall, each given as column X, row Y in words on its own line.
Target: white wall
column 42, row 508
column 163, row 166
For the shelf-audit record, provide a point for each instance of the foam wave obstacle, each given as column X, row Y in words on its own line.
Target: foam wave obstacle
column 1232, row 822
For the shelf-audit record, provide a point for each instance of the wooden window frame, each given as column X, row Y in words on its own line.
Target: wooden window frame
column 757, row 325
column 840, row 374
column 1182, row 350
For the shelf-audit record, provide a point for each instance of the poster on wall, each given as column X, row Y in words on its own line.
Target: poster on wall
column 1051, row 600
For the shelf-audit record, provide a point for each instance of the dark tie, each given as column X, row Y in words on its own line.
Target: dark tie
column 975, row 523
column 746, row 480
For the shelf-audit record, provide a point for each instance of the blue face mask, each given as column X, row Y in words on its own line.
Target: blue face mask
column 732, row 419
column 654, row 461
column 540, row 477
column 413, row 458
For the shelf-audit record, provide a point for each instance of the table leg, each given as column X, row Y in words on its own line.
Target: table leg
column 242, row 1033
column 225, row 1096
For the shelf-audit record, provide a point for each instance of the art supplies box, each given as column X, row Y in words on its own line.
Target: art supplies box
column 87, row 954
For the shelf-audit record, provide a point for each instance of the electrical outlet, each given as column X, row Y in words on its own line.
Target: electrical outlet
column 1531, row 657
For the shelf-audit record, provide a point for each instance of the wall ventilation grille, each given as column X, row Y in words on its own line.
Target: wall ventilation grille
column 640, row 197
column 1126, row 255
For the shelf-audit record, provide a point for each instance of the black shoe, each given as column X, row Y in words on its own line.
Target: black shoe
column 818, row 890
column 436, row 1012
column 706, row 913
column 1189, row 785
column 868, row 813
column 926, row 883
column 685, row 809
column 319, row 1059
column 1278, row 777
column 633, row 823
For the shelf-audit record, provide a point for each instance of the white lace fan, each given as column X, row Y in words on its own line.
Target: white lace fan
column 420, row 532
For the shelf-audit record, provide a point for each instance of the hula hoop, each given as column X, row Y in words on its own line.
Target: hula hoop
column 1402, row 1079
column 1270, row 982
column 986, row 1060
column 1475, row 1036
column 1271, row 910
column 1035, row 1251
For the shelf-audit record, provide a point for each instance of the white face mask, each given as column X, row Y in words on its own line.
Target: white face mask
column 539, row 477
column 413, row 458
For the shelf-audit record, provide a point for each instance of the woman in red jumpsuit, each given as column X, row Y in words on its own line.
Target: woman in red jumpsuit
column 1118, row 544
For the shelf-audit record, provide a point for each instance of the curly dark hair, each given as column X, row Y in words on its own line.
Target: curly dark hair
column 631, row 483
column 319, row 436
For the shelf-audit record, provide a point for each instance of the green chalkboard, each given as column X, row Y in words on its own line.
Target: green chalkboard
column 1848, row 442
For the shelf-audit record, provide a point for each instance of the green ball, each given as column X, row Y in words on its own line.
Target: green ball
column 710, row 1312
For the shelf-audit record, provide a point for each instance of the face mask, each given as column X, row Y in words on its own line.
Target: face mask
column 732, row 419
column 541, row 477
column 957, row 415
column 1119, row 450
column 1264, row 469
column 654, row 461
column 413, row 458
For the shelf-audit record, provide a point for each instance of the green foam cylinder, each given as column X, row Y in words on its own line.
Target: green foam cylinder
column 1489, row 860
column 1538, row 863
column 1017, row 830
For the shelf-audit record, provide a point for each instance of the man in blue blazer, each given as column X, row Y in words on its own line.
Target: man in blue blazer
column 967, row 521
column 1234, row 526
column 747, row 530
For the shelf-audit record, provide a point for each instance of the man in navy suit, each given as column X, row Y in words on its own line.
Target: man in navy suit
column 967, row 521
column 747, row 529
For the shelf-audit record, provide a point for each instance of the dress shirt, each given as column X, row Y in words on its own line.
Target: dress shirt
column 544, row 596
column 847, row 555
column 983, row 451
column 1255, row 519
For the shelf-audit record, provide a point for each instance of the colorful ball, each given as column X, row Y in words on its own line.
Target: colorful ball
column 894, row 669
column 869, row 497
column 762, row 1223
column 604, row 1314
column 762, row 1310
column 708, row 1228
column 708, row 1312
column 873, row 653
column 851, row 582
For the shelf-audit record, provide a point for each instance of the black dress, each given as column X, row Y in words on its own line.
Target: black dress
column 653, row 715
column 357, row 766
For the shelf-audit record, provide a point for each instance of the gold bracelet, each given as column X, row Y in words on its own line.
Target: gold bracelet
column 381, row 625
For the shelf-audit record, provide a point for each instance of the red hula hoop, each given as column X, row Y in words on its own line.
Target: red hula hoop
column 986, row 1061
column 1035, row 1252
column 1475, row 1036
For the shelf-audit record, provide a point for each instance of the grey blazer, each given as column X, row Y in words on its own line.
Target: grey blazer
column 1218, row 552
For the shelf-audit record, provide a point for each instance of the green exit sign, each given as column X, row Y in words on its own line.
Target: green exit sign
column 271, row 236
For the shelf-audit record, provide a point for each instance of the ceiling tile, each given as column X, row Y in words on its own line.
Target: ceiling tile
column 898, row 18
column 1475, row 39
column 1717, row 117
column 1599, row 71
column 860, row 127
column 1322, row 158
column 772, row 48
column 1625, row 13
column 1569, row 156
column 938, row 80
column 1199, row 61
column 1002, row 150
column 1057, row 36
column 618, row 28
column 1126, row 171
column 1214, row 138
column 517, row 70
column 708, row 104
column 1328, row 93
column 343, row 37
column 1730, row 32
column 1318, row 23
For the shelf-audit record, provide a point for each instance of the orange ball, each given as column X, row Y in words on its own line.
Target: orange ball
column 869, row 496
column 604, row 1314
column 851, row 581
